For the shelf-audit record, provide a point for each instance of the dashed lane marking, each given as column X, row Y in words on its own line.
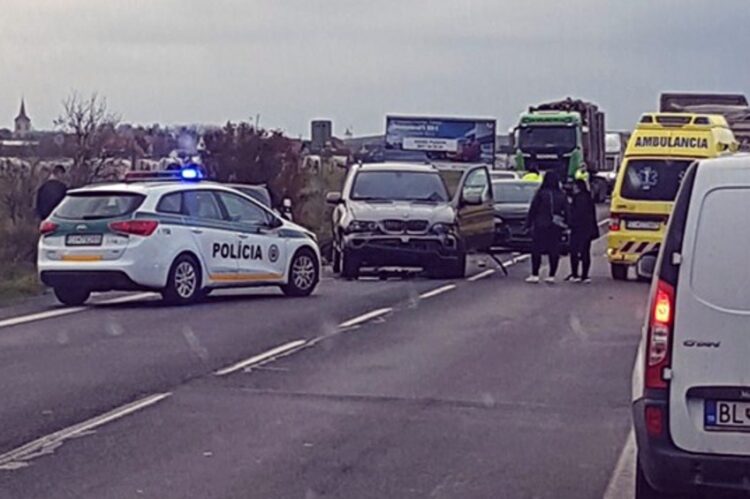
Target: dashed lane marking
column 365, row 317
column 273, row 353
column 622, row 483
column 437, row 291
column 481, row 275
column 20, row 456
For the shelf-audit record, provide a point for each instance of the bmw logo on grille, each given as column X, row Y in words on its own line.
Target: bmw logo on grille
column 273, row 253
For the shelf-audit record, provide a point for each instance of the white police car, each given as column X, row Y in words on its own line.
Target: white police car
column 181, row 238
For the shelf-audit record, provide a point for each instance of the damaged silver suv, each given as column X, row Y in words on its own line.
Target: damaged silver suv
column 411, row 215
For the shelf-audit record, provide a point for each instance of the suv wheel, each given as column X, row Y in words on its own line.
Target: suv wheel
column 644, row 490
column 349, row 265
column 184, row 282
column 335, row 258
column 303, row 274
column 619, row 271
column 72, row 296
column 455, row 269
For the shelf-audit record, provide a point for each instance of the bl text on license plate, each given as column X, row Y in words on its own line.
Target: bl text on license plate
column 727, row 415
column 642, row 224
column 83, row 240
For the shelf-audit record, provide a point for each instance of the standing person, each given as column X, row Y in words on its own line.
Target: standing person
column 51, row 192
column 583, row 230
column 547, row 219
column 532, row 175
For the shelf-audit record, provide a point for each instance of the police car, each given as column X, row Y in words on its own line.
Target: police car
column 174, row 234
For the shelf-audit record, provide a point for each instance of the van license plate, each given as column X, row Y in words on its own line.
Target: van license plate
column 642, row 224
column 83, row 240
column 724, row 415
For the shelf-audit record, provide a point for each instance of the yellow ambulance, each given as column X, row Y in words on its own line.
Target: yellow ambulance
column 659, row 152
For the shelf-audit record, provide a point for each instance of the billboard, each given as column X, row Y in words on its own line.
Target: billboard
column 439, row 139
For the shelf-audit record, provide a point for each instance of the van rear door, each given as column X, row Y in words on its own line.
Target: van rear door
column 710, row 387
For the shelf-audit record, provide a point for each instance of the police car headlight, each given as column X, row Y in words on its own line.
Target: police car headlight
column 442, row 228
column 362, row 226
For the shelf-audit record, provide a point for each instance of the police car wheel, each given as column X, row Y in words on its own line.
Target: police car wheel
column 184, row 283
column 72, row 296
column 303, row 274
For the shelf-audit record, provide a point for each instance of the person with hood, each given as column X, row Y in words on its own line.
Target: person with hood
column 583, row 230
column 547, row 219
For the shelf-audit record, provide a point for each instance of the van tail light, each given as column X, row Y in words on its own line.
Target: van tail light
column 614, row 222
column 46, row 228
column 654, row 417
column 134, row 227
column 660, row 332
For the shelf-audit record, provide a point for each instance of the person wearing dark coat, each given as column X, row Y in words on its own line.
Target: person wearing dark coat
column 583, row 230
column 50, row 193
column 547, row 218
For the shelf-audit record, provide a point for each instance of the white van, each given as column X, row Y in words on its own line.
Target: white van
column 691, row 381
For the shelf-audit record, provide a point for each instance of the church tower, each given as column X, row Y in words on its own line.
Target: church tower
column 23, row 123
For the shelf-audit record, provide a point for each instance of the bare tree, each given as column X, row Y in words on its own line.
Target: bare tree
column 91, row 126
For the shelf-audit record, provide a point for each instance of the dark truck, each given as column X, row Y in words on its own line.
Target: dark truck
column 561, row 136
column 734, row 107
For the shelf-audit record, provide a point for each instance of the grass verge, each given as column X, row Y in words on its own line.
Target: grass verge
column 18, row 281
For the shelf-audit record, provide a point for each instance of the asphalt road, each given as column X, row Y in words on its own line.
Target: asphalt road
column 481, row 388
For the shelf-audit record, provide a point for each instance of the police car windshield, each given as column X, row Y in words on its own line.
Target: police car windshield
column 399, row 186
column 513, row 192
column 653, row 179
column 92, row 206
column 547, row 138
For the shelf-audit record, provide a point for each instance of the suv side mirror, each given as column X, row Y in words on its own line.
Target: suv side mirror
column 471, row 198
column 333, row 198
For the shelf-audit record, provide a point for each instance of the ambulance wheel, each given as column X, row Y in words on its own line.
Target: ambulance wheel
column 303, row 274
column 349, row 265
column 72, row 296
column 184, row 282
column 619, row 271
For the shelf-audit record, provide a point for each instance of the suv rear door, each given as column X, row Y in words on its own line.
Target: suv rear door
column 711, row 344
column 476, row 221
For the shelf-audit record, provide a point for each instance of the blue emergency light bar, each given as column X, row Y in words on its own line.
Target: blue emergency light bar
column 187, row 173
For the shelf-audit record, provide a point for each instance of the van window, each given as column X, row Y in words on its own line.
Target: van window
column 719, row 272
column 653, row 179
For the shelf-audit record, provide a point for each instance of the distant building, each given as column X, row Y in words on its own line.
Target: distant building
column 22, row 122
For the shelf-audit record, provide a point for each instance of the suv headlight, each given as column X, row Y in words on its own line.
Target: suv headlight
column 362, row 226
column 442, row 228
column 499, row 220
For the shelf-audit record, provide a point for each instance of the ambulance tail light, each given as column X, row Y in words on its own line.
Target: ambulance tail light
column 660, row 332
column 134, row 227
column 614, row 222
column 46, row 228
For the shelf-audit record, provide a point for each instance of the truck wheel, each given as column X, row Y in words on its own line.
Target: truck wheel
column 619, row 271
column 303, row 274
column 644, row 490
column 184, row 282
column 349, row 265
column 72, row 296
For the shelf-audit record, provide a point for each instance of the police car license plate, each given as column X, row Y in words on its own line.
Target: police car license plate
column 727, row 415
column 83, row 240
column 642, row 224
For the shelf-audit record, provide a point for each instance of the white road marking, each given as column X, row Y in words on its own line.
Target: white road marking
column 365, row 317
column 481, row 275
column 622, row 483
column 437, row 291
column 20, row 456
column 14, row 321
column 257, row 359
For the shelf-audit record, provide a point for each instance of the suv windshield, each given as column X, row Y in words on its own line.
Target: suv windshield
column 653, row 179
column 513, row 192
column 92, row 206
column 399, row 186
column 547, row 138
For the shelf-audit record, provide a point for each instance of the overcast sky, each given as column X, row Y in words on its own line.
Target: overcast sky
column 201, row 61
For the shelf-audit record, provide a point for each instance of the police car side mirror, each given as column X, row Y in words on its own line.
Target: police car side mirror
column 333, row 198
column 274, row 223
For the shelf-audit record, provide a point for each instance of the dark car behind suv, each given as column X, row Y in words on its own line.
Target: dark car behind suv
column 411, row 215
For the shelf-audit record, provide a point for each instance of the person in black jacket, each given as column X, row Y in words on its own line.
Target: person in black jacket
column 583, row 230
column 50, row 193
column 546, row 220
